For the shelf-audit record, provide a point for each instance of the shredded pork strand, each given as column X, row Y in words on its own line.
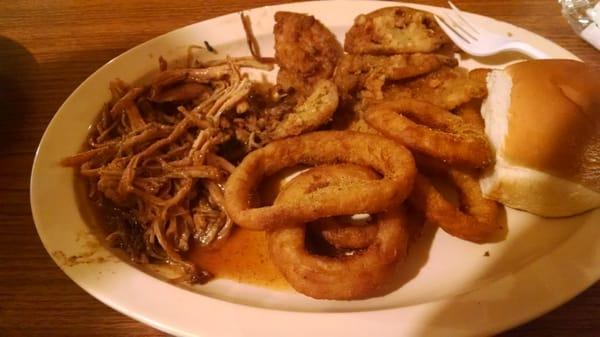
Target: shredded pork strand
column 253, row 44
column 159, row 154
column 153, row 156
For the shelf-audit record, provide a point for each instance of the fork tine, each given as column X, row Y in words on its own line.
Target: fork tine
column 461, row 18
column 451, row 32
column 460, row 27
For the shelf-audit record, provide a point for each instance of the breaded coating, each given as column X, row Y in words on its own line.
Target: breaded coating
column 480, row 75
column 370, row 72
column 315, row 111
column 305, row 50
column 394, row 30
column 446, row 88
column 347, row 117
column 430, row 130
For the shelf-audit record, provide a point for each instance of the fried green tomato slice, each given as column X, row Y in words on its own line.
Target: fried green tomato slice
column 316, row 110
column 369, row 73
column 305, row 50
column 447, row 87
column 395, row 30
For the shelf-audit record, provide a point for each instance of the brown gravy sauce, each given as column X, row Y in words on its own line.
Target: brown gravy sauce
column 243, row 257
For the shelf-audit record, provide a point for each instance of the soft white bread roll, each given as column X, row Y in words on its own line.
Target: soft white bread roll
column 543, row 120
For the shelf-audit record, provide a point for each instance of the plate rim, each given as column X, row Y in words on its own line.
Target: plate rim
column 157, row 323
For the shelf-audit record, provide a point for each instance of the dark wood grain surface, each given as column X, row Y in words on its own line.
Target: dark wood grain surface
column 48, row 47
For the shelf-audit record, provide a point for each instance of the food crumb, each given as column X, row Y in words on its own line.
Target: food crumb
column 210, row 48
column 487, row 253
column 162, row 64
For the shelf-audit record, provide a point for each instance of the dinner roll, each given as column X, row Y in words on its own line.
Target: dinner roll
column 543, row 120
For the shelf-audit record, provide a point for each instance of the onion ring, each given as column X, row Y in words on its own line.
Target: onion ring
column 360, row 275
column 477, row 218
column 475, row 221
column 444, row 135
column 393, row 161
column 341, row 232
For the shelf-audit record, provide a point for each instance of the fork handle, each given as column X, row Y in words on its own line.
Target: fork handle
column 528, row 50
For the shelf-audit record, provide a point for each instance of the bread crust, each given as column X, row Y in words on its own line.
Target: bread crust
column 554, row 120
column 548, row 157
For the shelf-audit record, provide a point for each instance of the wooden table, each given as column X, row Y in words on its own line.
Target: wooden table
column 48, row 47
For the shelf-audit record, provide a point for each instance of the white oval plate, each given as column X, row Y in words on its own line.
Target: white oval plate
column 451, row 287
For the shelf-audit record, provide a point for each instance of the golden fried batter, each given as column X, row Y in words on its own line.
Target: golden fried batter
column 348, row 118
column 370, row 72
column 344, row 277
column 425, row 128
column 480, row 75
column 476, row 219
column 394, row 30
column 470, row 112
column 315, row 111
column 447, row 88
column 305, row 50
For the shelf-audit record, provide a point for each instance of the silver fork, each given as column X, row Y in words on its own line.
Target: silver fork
column 481, row 42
